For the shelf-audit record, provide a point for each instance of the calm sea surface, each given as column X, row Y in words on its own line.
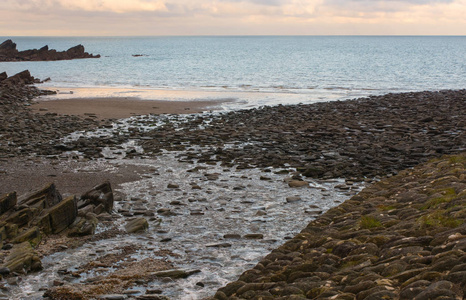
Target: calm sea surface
column 255, row 70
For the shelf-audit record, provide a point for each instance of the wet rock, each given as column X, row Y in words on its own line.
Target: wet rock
column 255, row 236
column 220, row 245
column 175, row 274
column 113, row 297
column 101, row 194
column 297, row 184
column 293, row 199
column 136, row 225
column 232, row 236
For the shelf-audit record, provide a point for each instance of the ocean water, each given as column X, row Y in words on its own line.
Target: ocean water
column 253, row 70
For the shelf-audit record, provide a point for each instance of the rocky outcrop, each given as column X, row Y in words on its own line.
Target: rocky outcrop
column 25, row 221
column 401, row 238
column 22, row 131
column 8, row 52
column 21, row 78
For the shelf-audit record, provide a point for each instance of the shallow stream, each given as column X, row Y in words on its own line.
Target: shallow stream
column 215, row 220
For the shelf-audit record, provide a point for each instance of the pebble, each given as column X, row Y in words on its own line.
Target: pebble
column 256, row 236
column 293, row 199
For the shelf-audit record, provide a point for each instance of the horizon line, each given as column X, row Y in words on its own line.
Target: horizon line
column 245, row 35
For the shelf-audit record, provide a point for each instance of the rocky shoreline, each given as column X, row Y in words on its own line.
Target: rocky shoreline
column 8, row 52
column 24, row 133
column 401, row 229
column 401, row 238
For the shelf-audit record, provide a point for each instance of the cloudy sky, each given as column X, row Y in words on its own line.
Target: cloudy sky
column 232, row 17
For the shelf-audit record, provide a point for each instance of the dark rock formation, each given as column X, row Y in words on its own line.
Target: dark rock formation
column 8, row 52
column 100, row 198
column 401, row 238
column 3, row 76
column 21, row 130
column 25, row 221
column 22, row 78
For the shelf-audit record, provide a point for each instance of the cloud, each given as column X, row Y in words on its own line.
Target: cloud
column 260, row 2
column 186, row 17
column 386, row 6
column 117, row 6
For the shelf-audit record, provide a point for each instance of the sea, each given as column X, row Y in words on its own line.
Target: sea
column 249, row 71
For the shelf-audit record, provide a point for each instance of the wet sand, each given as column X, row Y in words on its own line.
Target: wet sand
column 25, row 175
column 117, row 108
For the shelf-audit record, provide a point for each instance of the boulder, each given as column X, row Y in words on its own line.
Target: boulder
column 84, row 225
column 100, row 194
column 61, row 215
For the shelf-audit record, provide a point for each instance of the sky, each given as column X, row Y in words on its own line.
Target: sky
column 231, row 17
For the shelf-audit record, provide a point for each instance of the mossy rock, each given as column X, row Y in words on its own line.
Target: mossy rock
column 32, row 235
column 11, row 230
column 23, row 258
column 369, row 222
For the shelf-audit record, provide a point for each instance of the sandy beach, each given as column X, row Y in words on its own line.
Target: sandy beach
column 117, row 108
